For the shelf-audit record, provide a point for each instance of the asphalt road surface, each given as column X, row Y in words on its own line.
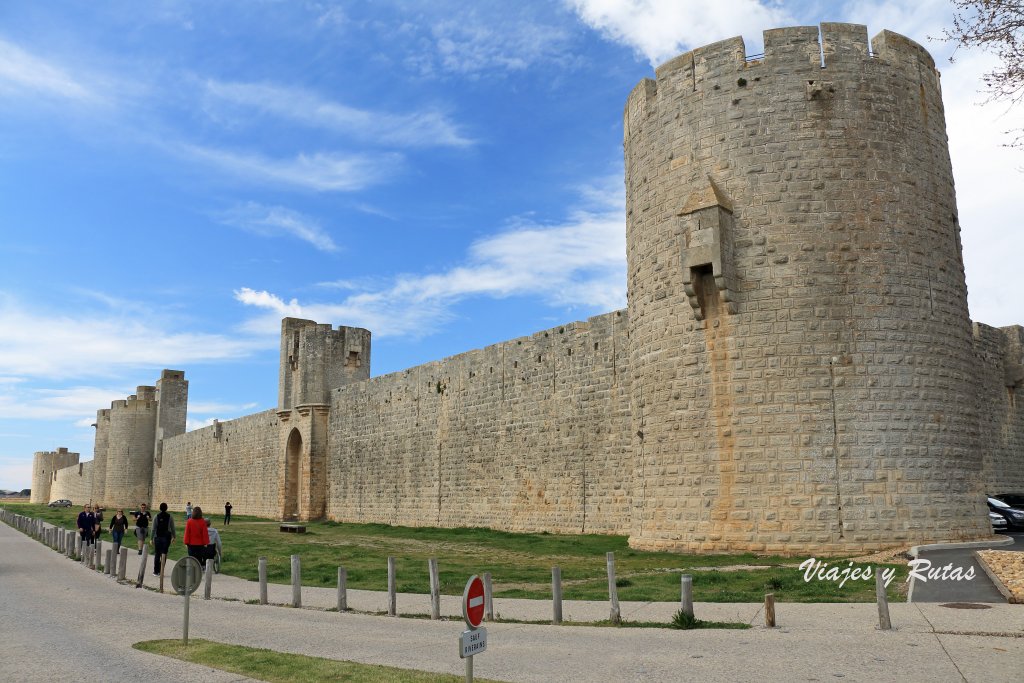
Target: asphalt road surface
column 62, row 622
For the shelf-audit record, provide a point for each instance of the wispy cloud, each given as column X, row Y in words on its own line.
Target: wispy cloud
column 471, row 46
column 320, row 172
column 23, row 72
column 275, row 221
column 428, row 128
column 75, row 402
column 102, row 342
column 660, row 29
column 578, row 262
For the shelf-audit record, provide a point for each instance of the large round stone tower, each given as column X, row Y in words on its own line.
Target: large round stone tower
column 800, row 342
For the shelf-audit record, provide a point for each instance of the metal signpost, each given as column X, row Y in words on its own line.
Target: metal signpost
column 473, row 641
column 185, row 579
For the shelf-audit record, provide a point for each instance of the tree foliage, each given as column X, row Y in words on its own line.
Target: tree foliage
column 998, row 27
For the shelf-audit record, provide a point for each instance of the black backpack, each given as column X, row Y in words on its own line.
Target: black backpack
column 161, row 524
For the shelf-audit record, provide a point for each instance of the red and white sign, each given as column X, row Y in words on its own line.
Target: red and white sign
column 473, row 602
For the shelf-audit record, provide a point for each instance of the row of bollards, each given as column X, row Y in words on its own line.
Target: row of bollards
column 114, row 564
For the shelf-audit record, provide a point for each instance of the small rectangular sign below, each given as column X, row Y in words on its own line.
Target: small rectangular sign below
column 472, row 642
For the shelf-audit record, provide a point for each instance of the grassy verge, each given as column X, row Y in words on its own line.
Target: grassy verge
column 520, row 564
column 268, row 665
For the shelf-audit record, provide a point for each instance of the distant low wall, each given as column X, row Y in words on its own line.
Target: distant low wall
column 531, row 434
column 74, row 483
column 235, row 461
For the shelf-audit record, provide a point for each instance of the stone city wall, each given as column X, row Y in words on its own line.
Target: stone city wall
column 1000, row 392
column 235, row 461
column 74, row 483
column 526, row 435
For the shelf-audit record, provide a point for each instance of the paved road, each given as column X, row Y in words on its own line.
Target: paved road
column 60, row 621
column 944, row 590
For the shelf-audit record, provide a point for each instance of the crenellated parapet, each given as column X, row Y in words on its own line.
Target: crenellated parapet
column 45, row 465
column 317, row 358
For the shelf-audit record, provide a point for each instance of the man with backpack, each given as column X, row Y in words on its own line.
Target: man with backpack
column 163, row 534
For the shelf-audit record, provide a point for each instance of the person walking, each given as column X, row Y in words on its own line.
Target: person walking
column 163, row 534
column 118, row 525
column 86, row 524
column 142, row 520
column 214, row 548
column 227, row 513
column 188, row 511
column 98, row 518
column 196, row 537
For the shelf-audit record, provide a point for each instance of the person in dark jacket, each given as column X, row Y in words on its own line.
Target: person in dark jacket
column 227, row 513
column 163, row 534
column 142, row 519
column 86, row 524
column 98, row 521
column 118, row 526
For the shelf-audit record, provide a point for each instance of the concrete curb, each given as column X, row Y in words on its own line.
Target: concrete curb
column 1003, row 590
column 917, row 549
column 996, row 541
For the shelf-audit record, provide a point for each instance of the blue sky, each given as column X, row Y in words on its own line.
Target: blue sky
column 177, row 176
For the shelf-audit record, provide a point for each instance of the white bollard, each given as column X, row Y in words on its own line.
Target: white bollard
column 686, row 601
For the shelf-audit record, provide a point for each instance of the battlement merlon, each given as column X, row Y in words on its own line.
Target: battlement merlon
column 317, row 358
column 811, row 51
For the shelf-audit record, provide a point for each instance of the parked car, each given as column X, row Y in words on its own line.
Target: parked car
column 1013, row 516
column 62, row 503
column 1012, row 499
column 998, row 521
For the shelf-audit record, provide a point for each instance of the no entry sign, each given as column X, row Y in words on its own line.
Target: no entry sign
column 473, row 602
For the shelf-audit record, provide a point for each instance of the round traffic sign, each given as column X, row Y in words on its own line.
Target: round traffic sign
column 473, row 602
column 186, row 575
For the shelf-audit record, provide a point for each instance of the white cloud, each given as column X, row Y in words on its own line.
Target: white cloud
column 988, row 180
column 579, row 262
column 192, row 425
column 76, row 402
column 429, row 128
column 102, row 342
column 21, row 71
column 321, row 172
column 661, row 29
column 472, row 46
column 272, row 221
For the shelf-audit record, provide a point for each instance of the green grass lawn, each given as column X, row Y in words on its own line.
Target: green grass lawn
column 268, row 665
column 520, row 564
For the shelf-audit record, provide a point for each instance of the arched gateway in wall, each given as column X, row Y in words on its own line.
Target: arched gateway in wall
column 292, row 475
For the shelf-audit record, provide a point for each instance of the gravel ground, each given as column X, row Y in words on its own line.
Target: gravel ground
column 1009, row 568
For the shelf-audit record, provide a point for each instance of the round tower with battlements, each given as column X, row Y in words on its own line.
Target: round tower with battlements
column 44, row 468
column 800, row 341
column 131, row 435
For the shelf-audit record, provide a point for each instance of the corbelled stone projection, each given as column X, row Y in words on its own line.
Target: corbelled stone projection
column 796, row 371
